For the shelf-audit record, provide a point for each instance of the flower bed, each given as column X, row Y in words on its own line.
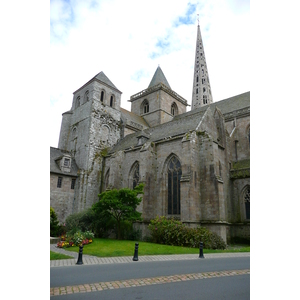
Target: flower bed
column 78, row 239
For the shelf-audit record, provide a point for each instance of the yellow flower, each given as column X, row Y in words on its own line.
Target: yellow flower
column 90, row 241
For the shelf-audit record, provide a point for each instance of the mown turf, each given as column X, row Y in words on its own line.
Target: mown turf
column 54, row 256
column 110, row 248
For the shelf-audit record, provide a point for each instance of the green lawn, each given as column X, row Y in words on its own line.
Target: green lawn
column 54, row 256
column 110, row 247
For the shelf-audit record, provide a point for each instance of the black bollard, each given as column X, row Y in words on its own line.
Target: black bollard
column 136, row 249
column 79, row 261
column 201, row 250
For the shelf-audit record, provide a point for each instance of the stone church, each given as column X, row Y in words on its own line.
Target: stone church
column 195, row 164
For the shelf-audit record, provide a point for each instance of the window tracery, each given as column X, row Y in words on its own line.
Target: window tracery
column 174, row 176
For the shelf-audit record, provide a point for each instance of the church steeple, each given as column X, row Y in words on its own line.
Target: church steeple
column 159, row 77
column 201, row 88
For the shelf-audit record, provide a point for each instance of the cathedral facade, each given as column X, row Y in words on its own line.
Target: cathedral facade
column 195, row 165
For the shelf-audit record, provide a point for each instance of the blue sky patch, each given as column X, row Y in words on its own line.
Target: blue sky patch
column 189, row 17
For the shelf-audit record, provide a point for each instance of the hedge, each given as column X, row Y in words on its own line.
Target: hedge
column 172, row 232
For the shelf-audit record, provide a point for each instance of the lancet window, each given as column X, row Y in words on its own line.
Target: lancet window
column 247, row 202
column 174, row 175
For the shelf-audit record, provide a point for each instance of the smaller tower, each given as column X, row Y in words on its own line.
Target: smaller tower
column 201, row 88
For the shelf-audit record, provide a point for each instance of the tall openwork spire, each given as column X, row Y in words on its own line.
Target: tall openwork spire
column 201, row 88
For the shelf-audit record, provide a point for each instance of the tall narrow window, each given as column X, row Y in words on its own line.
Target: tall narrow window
column 174, row 175
column 136, row 175
column 59, row 182
column 248, row 135
column 102, row 96
column 247, row 202
column 86, row 96
column 145, row 107
column 77, row 104
column 111, row 101
column 174, row 109
column 73, row 184
column 204, row 99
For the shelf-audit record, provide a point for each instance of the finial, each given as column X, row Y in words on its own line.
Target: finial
column 198, row 18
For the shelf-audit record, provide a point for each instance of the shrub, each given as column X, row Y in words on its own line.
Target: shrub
column 82, row 221
column 55, row 228
column 172, row 232
column 88, row 220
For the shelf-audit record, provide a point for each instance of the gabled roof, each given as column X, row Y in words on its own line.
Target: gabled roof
column 159, row 77
column 56, row 154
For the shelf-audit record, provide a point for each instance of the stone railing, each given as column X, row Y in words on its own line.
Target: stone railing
column 155, row 88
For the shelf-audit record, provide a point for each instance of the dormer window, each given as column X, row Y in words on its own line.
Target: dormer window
column 66, row 162
column 142, row 138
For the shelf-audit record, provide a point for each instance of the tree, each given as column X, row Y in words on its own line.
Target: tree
column 55, row 228
column 120, row 205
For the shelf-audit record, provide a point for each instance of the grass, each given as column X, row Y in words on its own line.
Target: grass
column 54, row 256
column 110, row 248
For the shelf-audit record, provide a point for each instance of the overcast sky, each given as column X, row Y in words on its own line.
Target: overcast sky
column 127, row 40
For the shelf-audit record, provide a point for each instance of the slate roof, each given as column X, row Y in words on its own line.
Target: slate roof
column 159, row 77
column 178, row 126
column 102, row 77
column 55, row 154
column 183, row 123
column 130, row 116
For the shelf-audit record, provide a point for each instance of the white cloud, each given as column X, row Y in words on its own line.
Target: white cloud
column 121, row 39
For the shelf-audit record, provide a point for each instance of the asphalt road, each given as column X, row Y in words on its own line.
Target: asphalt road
column 232, row 287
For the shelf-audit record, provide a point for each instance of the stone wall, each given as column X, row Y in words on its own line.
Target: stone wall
column 61, row 199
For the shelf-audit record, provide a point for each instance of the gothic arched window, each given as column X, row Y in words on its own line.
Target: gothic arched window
column 135, row 174
column 247, row 202
column 174, row 175
column 145, row 107
column 174, row 109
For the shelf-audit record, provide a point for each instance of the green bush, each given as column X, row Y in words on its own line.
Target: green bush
column 88, row 220
column 81, row 221
column 172, row 232
column 55, row 228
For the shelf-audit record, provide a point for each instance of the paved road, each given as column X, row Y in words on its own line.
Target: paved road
column 218, row 277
